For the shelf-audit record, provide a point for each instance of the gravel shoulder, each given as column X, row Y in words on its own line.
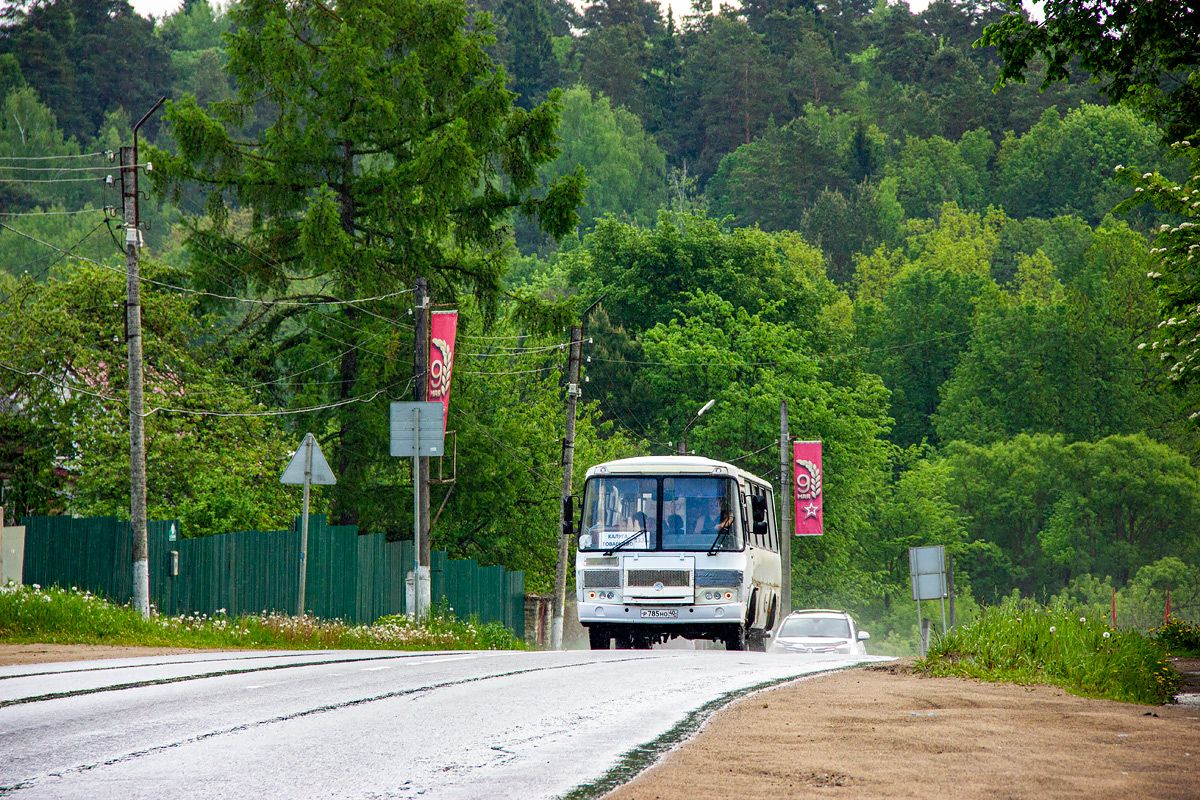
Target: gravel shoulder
column 11, row 654
column 880, row 732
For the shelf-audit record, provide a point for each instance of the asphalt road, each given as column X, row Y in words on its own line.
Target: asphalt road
column 354, row 724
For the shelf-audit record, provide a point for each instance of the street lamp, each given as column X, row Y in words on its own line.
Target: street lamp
column 703, row 408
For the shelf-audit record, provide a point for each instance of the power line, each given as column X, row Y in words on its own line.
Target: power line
column 348, row 345
column 500, row 374
column 364, row 398
column 330, row 302
column 315, row 331
column 50, row 213
column 307, row 327
column 51, row 180
column 495, row 338
column 70, row 169
column 756, row 452
column 108, row 153
column 519, row 352
column 471, row 423
column 620, row 421
column 815, row 357
column 64, row 254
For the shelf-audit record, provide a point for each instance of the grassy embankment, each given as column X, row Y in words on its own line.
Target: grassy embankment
column 57, row 616
column 1019, row 642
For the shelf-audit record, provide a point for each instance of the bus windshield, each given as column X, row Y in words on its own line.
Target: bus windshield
column 698, row 514
column 620, row 513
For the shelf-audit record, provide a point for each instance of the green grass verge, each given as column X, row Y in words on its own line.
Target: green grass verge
column 67, row 616
column 1018, row 642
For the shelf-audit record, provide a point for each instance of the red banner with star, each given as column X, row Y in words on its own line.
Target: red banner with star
column 806, row 486
column 443, row 326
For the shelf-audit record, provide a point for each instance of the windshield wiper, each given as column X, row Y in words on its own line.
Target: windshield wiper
column 716, row 545
column 642, row 532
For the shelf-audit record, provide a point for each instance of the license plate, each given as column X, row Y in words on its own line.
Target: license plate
column 659, row 613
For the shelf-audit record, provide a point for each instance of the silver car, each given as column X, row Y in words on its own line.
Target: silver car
column 819, row 630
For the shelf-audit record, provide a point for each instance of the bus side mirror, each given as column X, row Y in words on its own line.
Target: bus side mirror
column 758, row 507
column 568, row 515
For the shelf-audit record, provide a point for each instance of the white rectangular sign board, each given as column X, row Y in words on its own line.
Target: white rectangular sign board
column 404, row 432
column 930, row 586
column 927, row 567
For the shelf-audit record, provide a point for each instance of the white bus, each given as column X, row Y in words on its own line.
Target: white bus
column 676, row 546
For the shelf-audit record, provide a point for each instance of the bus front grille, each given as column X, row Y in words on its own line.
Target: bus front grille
column 667, row 577
column 602, row 578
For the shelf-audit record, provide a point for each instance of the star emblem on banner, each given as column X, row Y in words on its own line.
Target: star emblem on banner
column 810, row 510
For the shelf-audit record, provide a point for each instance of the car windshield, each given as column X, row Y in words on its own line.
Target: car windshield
column 816, row 626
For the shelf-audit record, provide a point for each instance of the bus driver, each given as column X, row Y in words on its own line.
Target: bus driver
column 713, row 518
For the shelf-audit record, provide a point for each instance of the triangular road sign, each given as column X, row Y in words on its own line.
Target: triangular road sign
column 321, row 475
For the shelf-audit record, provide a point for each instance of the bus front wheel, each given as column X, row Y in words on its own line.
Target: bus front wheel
column 735, row 638
column 598, row 638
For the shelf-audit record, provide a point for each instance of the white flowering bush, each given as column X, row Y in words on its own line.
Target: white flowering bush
column 1176, row 340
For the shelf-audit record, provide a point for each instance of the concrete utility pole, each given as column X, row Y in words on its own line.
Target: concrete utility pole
column 137, row 420
column 421, row 393
column 568, row 464
column 133, row 337
column 785, row 505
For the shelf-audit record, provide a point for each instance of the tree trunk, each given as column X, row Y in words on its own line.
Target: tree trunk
column 347, row 515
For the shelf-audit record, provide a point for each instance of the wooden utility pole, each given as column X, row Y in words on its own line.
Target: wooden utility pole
column 137, row 420
column 785, row 506
column 568, row 465
column 421, row 586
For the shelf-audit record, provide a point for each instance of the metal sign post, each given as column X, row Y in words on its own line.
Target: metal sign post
column 418, row 607
column 418, row 430
column 308, row 466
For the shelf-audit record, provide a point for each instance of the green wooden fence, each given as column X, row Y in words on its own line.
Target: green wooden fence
column 349, row 577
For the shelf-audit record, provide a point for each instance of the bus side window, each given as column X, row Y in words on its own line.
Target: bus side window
column 745, row 525
column 751, row 511
column 775, row 533
column 758, row 517
column 754, row 501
